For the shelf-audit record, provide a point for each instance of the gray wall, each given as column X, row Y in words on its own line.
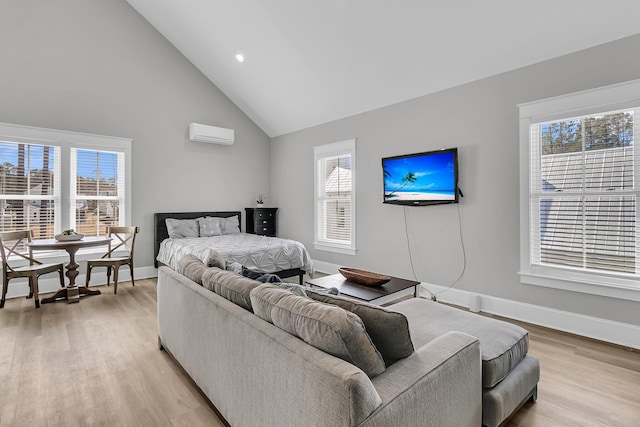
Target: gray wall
column 481, row 119
column 97, row 66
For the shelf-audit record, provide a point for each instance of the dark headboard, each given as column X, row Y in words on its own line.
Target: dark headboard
column 160, row 226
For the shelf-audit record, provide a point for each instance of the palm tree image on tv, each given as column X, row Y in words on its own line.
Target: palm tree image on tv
column 410, row 178
column 420, row 177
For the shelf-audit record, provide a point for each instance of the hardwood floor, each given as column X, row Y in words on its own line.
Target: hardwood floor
column 93, row 363
column 97, row 363
column 583, row 382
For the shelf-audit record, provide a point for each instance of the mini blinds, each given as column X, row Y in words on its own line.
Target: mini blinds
column 335, row 199
column 583, row 193
column 98, row 190
column 335, row 196
column 29, row 188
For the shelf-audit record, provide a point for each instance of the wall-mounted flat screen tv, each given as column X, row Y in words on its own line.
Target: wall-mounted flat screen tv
column 420, row 179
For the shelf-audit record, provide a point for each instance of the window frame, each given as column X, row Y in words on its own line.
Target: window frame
column 66, row 140
column 608, row 98
column 56, row 196
column 321, row 152
column 119, row 197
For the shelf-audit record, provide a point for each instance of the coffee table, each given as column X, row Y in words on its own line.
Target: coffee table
column 380, row 295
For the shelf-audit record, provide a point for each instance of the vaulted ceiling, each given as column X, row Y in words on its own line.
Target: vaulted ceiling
column 308, row 62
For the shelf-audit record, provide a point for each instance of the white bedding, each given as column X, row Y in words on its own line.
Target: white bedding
column 269, row 254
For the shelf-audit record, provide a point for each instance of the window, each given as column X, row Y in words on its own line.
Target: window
column 98, row 190
column 335, row 197
column 29, row 187
column 55, row 180
column 579, row 188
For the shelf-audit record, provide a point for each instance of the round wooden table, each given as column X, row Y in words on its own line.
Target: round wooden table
column 71, row 292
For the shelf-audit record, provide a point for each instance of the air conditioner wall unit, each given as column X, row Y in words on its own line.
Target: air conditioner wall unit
column 210, row 134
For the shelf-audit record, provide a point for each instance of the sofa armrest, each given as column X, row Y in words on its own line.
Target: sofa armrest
column 438, row 385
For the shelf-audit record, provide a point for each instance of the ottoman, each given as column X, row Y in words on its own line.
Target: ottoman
column 509, row 375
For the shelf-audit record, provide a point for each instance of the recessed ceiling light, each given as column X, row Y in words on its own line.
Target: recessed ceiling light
column 240, row 57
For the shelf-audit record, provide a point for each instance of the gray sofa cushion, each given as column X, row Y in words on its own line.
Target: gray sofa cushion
column 230, row 286
column 389, row 330
column 503, row 344
column 324, row 326
column 191, row 267
column 215, row 259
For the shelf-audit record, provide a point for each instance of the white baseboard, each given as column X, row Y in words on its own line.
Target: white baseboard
column 51, row 282
column 623, row 334
column 325, row 267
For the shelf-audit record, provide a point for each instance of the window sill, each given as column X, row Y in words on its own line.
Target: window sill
column 624, row 289
column 334, row 248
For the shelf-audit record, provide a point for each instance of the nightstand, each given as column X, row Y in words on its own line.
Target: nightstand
column 261, row 221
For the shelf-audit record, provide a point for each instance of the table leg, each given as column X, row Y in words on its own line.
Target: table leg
column 71, row 292
column 72, row 272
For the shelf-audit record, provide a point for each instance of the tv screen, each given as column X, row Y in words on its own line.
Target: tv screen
column 421, row 179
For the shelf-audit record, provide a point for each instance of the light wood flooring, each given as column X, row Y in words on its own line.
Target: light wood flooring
column 97, row 363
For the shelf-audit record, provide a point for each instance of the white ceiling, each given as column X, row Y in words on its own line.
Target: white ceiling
column 309, row 62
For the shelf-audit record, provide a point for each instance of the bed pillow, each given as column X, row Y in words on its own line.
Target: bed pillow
column 210, row 226
column 388, row 329
column 324, row 326
column 191, row 267
column 230, row 225
column 182, row 228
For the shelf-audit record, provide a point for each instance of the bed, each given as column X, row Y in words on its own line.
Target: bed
column 284, row 257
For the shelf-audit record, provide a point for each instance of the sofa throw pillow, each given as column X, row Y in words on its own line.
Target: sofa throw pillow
column 327, row 327
column 191, row 267
column 230, row 225
column 215, row 259
column 230, row 286
column 389, row 330
column 182, row 228
column 210, row 226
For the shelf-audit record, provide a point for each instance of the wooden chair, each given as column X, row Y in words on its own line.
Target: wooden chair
column 11, row 243
column 125, row 238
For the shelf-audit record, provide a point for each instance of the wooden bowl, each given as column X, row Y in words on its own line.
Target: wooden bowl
column 362, row 277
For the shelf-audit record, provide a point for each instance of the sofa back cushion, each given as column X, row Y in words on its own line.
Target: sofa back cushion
column 324, row 326
column 191, row 267
column 215, row 259
column 389, row 330
column 230, row 286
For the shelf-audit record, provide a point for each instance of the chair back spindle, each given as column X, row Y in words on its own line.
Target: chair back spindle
column 122, row 238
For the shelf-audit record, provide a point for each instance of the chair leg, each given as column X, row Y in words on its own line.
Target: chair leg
column 108, row 275
column 5, row 285
column 131, row 269
column 30, row 288
column 88, row 275
column 36, row 296
column 115, row 279
column 61, row 270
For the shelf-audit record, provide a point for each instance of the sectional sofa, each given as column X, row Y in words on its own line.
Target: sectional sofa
column 264, row 356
